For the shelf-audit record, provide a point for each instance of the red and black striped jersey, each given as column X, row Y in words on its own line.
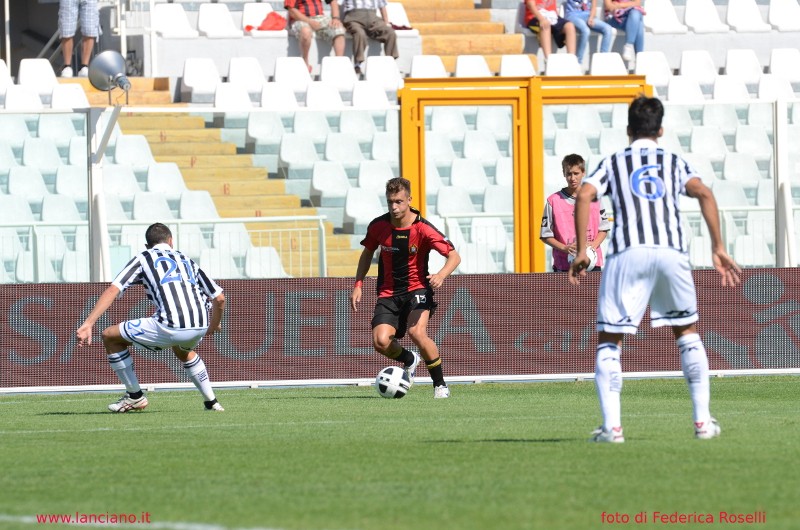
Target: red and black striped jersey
column 403, row 261
column 310, row 8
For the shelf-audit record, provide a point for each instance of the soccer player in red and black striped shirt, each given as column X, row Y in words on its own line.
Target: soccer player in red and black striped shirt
column 405, row 286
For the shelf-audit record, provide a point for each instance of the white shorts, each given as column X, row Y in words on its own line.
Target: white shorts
column 660, row 277
column 149, row 333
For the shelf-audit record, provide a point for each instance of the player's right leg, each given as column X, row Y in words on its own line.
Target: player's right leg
column 119, row 357
column 694, row 363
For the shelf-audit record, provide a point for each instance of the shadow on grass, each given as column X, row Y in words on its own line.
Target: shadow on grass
column 324, row 398
column 507, row 440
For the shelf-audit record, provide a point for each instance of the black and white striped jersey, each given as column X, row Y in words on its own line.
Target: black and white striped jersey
column 644, row 183
column 175, row 284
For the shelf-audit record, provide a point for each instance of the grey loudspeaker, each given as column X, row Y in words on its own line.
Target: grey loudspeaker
column 107, row 71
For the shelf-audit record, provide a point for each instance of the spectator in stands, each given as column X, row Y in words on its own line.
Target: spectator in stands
column 582, row 15
column 627, row 15
column 541, row 17
column 405, row 287
column 361, row 21
column 558, row 226
column 307, row 20
column 69, row 12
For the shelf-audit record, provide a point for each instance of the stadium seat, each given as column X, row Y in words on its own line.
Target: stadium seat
column 699, row 66
column 296, row 156
column 263, row 262
column 386, row 148
column 369, row 95
column 563, row 64
column 570, row 141
column 170, row 21
column 468, row 174
column 73, row 181
column 264, row 132
column 30, row 270
column 292, row 71
column 708, row 140
column 661, row 18
column 218, row 264
column 13, row 132
column 191, row 239
column 516, row 66
column 765, row 193
column 59, row 128
column 232, row 239
column 5, row 76
column 149, row 205
column 75, row 266
column 453, row 200
column 427, row 66
column 10, row 246
column 60, row 209
column 360, row 125
column 214, row 21
column 476, row 258
column 584, row 119
column 744, row 16
column 342, row 147
column 742, row 168
column 722, row 116
column 729, row 89
column 115, row 213
column 120, row 180
column 37, row 75
column 783, row 62
column 68, row 96
column 360, row 208
column 702, row 165
column 134, row 150
column 497, row 119
column 611, row 141
column 42, row 154
column 313, row 125
column 373, row 175
column 654, row 66
column 685, row 90
column 321, row 95
column 247, row 73
column 166, row 178
column 752, row 250
column 677, row 118
column 761, row 114
column 383, row 70
column 439, row 150
column 702, row 17
column 200, row 79
column 20, row 98
column 339, row 72
column 504, row 171
column 449, row 121
column 609, row 63
column 700, row 255
column 280, row 98
column 784, row 15
column 772, row 87
column 27, row 182
column 472, row 66
column 197, row 205
column 329, row 184
column 397, row 15
column 743, row 64
column 730, row 193
column 433, row 183
column 753, row 139
column 489, row 231
column 499, row 199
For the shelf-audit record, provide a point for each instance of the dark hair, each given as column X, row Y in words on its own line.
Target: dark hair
column 157, row 233
column 644, row 117
column 572, row 160
column 396, row 185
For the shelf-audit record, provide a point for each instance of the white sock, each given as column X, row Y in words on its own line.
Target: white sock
column 694, row 363
column 122, row 364
column 196, row 369
column 608, row 381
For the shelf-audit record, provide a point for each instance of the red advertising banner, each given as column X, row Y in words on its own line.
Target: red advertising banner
column 485, row 325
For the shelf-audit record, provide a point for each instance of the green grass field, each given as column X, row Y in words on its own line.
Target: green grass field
column 494, row 456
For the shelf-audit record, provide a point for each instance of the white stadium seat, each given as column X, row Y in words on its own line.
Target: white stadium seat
column 745, row 17
column 214, row 21
column 702, row 17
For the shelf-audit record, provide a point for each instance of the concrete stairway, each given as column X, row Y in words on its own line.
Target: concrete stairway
column 239, row 188
column 454, row 27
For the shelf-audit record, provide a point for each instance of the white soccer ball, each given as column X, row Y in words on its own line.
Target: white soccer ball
column 392, row 382
column 591, row 253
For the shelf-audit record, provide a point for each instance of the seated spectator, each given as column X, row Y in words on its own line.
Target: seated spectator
column 627, row 15
column 307, row 20
column 541, row 17
column 582, row 15
column 361, row 22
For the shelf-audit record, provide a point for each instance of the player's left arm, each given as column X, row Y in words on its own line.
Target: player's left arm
column 217, row 310
column 587, row 193
column 84, row 333
column 452, row 262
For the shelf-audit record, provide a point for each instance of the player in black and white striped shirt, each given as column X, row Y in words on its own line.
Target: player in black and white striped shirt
column 182, row 293
column 648, row 262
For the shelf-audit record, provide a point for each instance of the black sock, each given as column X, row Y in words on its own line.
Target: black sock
column 135, row 395
column 210, row 404
column 406, row 357
column 435, row 369
column 84, row 65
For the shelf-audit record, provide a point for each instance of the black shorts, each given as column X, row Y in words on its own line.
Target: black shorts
column 394, row 310
column 557, row 30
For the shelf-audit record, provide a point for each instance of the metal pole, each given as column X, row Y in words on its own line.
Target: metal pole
column 8, row 34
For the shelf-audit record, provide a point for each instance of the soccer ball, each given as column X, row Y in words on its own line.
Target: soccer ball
column 591, row 253
column 392, row 382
